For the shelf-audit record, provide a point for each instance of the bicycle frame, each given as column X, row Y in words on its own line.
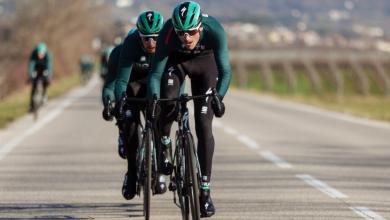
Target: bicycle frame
column 187, row 172
column 146, row 160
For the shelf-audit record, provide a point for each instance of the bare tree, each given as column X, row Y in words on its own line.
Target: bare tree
column 66, row 26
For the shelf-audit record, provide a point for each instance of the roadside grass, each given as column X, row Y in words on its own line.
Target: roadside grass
column 374, row 106
column 17, row 103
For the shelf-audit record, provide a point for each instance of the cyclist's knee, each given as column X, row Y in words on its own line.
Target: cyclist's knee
column 204, row 130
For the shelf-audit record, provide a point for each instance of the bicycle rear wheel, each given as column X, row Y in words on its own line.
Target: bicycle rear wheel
column 192, row 176
column 149, row 142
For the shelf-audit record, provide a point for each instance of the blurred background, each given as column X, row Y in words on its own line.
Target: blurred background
column 334, row 53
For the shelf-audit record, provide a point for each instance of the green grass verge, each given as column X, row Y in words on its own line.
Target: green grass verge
column 17, row 103
column 375, row 106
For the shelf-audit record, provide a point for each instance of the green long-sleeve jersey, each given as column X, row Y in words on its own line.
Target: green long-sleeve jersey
column 213, row 37
column 45, row 63
column 109, row 84
column 134, row 63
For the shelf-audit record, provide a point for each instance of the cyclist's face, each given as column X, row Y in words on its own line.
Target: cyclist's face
column 190, row 38
column 41, row 56
column 149, row 44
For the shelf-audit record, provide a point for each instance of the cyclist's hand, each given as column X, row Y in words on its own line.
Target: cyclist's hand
column 46, row 73
column 218, row 105
column 108, row 112
column 121, row 107
column 34, row 75
column 31, row 77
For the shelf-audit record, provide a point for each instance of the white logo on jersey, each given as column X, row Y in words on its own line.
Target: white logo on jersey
column 170, row 82
column 149, row 16
column 170, row 70
column 182, row 11
column 209, row 91
column 204, row 109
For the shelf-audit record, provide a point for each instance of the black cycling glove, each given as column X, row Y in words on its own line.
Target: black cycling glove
column 108, row 111
column 121, row 107
column 218, row 105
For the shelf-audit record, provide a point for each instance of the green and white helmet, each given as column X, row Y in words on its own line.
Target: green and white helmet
column 186, row 16
column 150, row 23
column 41, row 48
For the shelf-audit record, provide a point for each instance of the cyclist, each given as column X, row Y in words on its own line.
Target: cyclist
column 108, row 95
column 40, row 65
column 193, row 44
column 86, row 67
column 133, row 68
column 104, row 62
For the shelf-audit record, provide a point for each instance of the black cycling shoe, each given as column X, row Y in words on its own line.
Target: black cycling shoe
column 121, row 146
column 160, row 187
column 207, row 208
column 129, row 187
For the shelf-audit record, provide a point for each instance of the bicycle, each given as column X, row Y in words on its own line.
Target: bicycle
column 186, row 176
column 38, row 95
column 146, row 156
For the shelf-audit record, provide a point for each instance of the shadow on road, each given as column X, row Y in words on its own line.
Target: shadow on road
column 69, row 210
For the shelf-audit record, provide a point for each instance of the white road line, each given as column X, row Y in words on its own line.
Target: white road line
column 249, row 142
column 217, row 123
column 322, row 186
column 230, row 130
column 316, row 110
column 275, row 159
column 366, row 213
column 7, row 147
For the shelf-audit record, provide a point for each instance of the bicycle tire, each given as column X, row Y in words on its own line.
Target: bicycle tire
column 148, row 172
column 192, row 176
column 38, row 98
column 180, row 179
column 140, row 160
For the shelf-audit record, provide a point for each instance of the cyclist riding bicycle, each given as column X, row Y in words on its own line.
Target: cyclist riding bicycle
column 131, row 81
column 104, row 62
column 193, row 44
column 108, row 95
column 39, row 66
column 86, row 67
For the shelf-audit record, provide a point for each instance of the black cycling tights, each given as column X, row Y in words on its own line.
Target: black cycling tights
column 130, row 124
column 34, row 88
column 203, row 73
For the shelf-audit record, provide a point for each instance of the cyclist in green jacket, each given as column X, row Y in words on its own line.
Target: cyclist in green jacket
column 104, row 62
column 40, row 65
column 108, row 95
column 193, row 44
column 133, row 68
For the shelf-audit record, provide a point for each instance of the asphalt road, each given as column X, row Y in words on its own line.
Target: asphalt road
column 273, row 160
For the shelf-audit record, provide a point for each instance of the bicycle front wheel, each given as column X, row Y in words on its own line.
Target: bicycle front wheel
column 37, row 98
column 192, row 176
column 180, row 179
column 149, row 142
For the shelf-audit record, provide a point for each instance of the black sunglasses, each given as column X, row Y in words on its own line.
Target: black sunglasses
column 190, row 32
column 146, row 38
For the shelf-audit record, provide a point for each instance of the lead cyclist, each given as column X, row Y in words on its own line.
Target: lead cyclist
column 195, row 45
